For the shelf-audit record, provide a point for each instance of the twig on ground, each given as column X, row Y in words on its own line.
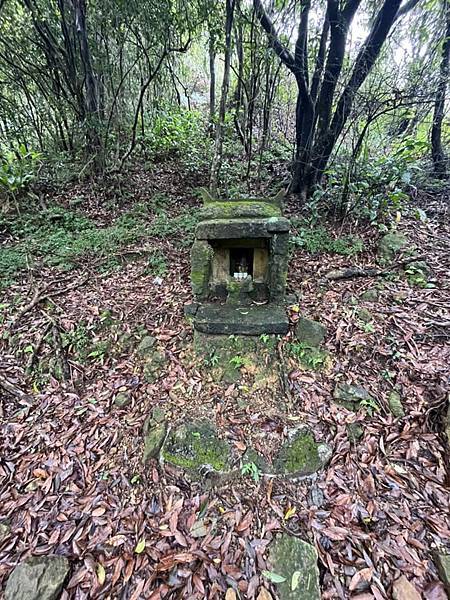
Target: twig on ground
column 352, row 272
column 12, row 389
column 42, row 294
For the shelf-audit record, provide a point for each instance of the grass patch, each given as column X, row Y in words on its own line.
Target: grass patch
column 63, row 238
column 313, row 359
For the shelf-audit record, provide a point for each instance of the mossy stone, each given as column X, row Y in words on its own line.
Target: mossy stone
column 309, row 332
column 146, row 345
column 296, row 561
column 442, row 562
column 395, row 405
column 201, row 256
column 196, row 445
column 37, row 578
column 154, row 438
column 354, row 432
column 246, row 209
column 122, row 399
column 5, row 529
column 301, row 455
column 351, row 396
column 153, row 366
column 390, row 244
column 252, row 456
column 364, row 315
column 370, row 295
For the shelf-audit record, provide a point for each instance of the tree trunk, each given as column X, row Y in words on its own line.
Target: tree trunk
column 437, row 150
column 212, row 80
column 217, row 158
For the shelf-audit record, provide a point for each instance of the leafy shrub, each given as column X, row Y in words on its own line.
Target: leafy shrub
column 318, row 240
column 179, row 131
column 374, row 189
column 17, row 169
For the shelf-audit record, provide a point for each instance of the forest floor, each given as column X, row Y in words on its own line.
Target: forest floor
column 72, row 479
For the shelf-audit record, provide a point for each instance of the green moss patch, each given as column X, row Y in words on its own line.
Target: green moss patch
column 301, row 455
column 197, row 445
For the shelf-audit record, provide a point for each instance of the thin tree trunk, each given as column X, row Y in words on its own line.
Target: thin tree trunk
column 437, row 150
column 212, row 80
column 217, row 159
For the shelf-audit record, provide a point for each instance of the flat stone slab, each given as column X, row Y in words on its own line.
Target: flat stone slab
column 241, row 320
column 295, row 561
column 217, row 229
column 37, row 578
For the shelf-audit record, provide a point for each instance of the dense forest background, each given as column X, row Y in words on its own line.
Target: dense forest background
column 342, row 103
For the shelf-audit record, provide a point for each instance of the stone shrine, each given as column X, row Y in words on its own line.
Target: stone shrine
column 239, row 265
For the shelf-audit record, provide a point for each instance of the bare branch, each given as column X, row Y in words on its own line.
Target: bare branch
column 282, row 52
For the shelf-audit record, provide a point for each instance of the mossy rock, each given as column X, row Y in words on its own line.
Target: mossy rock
column 295, row 561
column 309, row 332
column 389, row 246
column 154, row 365
column 351, row 396
column 252, row 456
column 37, row 578
column 395, row 405
column 364, row 315
column 146, row 345
column 122, row 399
column 301, row 455
column 5, row 530
column 195, row 446
column 354, row 432
column 370, row 295
column 442, row 562
column 239, row 210
column 154, row 438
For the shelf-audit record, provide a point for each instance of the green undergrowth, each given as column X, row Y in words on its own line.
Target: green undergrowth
column 313, row 359
column 317, row 240
column 63, row 238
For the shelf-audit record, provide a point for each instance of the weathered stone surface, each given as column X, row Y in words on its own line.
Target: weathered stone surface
column 122, row 399
column 201, row 256
column 196, row 447
column 154, row 438
column 37, row 578
column 395, row 404
column 402, row 589
column 5, row 529
column 154, row 365
column 390, row 245
column 190, row 310
column 296, row 561
column 239, row 291
column 442, row 562
column 278, row 277
column 251, row 456
column 351, row 396
column 354, row 432
column 246, row 228
column 252, row 320
column 370, row 295
column 301, row 455
column 245, row 209
column 146, row 345
column 309, row 332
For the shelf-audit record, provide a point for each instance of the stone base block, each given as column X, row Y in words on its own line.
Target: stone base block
column 241, row 320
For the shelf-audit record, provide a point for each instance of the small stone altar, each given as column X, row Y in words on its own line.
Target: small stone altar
column 239, row 265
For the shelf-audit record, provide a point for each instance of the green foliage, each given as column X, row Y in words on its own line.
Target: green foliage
column 17, row 169
column 311, row 358
column 157, row 264
column 318, row 240
column 376, row 189
column 164, row 226
column 181, row 132
column 252, row 470
column 212, row 359
column 238, row 361
column 369, row 406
